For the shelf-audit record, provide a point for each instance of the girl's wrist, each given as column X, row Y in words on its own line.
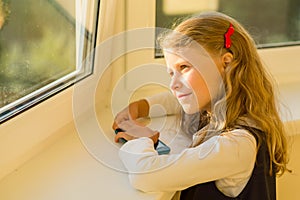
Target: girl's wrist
column 155, row 138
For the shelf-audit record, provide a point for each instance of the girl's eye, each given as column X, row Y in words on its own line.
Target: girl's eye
column 183, row 67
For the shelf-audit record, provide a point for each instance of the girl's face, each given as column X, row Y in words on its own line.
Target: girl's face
column 193, row 91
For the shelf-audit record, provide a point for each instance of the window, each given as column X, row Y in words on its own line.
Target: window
column 42, row 47
column 272, row 23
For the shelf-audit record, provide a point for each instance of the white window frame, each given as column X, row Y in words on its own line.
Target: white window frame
column 86, row 16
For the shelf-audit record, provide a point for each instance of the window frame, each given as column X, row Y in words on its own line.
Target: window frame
column 84, row 62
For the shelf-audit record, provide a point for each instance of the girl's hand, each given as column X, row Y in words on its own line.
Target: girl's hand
column 133, row 111
column 134, row 130
column 124, row 115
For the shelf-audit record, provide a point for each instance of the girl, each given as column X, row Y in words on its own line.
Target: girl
column 227, row 105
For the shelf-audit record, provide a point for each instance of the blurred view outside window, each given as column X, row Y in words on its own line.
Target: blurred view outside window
column 272, row 23
column 38, row 48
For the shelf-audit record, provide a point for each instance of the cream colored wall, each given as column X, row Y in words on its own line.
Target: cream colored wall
column 117, row 20
column 288, row 184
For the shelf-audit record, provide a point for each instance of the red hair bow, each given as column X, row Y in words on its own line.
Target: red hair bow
column 227, row 35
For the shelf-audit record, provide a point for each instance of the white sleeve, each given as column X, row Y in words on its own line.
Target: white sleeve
column 220, row 157
column 162, row 104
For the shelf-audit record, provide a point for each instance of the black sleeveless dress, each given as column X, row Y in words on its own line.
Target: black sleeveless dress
column 261, row 185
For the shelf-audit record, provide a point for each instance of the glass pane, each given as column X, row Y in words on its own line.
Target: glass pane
column 37, row 45
column 270, row 22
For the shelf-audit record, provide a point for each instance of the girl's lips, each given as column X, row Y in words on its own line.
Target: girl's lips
column 183, row 95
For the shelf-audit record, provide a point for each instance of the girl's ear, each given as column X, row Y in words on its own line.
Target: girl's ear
column 227, row 59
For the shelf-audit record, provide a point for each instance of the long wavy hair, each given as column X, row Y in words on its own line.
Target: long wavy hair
column 249, row 90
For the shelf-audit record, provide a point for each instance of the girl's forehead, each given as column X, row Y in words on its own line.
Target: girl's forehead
column 170, row 56
column 192, row 58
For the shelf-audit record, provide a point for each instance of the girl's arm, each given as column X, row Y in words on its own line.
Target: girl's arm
column 161, row 104
column 230, row 155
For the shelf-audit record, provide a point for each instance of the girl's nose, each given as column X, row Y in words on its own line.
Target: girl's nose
column 175, row 82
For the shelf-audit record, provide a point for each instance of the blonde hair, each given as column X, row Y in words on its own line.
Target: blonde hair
column 248, row 86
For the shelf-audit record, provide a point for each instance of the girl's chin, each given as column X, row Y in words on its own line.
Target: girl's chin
column 191, row 109
column 188, row 109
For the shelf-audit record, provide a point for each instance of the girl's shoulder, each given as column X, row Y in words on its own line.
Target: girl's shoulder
column 240, row 133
